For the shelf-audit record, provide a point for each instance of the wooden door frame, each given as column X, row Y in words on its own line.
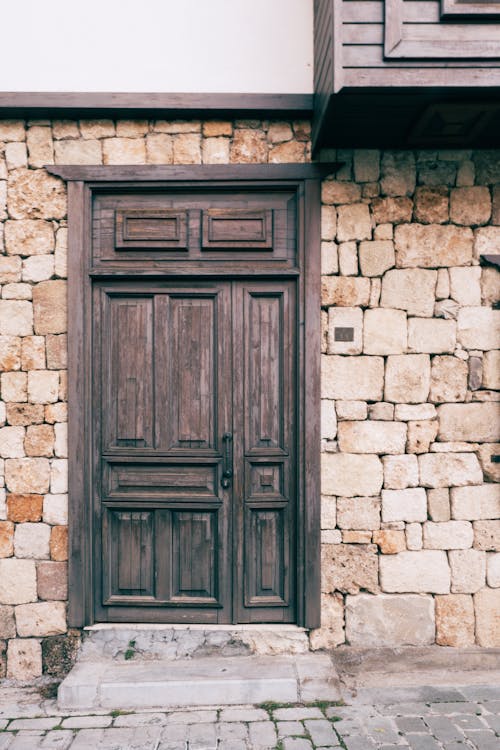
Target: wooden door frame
column 83, row 181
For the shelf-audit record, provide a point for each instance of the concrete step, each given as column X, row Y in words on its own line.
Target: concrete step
column 165, row 642
column 199, row 682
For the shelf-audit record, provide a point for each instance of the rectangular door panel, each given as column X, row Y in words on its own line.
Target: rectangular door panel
column 267, row 563
column 152, row 480
column 129, row 555
column 194, row 560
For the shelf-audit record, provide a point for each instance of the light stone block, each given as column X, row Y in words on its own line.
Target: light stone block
column 352, row 378
column 351, row 475
column 34, row 194
column 354, row 222
column 41, row 619
column 426, row 572
column 10, row 268
column 448, row 535
column 328, row 512
column 376, row 257
column 61, row 253
column 384, row 332
column 329, row 258
column 443, row 284
column 336, row 192
column 389, row 621
column 478, row 328
column 475, row 503
column 404, row 505
column 470, row 205
column 438, row 502
column 50, row 307
column 487, row 535
column 412, row 290
column 91, row 129
column 14, row 386
column 27, row 475
column 477, row 422
column 16, row 317
column 24, row 659
column 491, row 370
column 468, row 570
column 345, row 317
column 407, row 378
column 345, row 291
column 348, row 259
column 448, row 379
column 38, row 268
column 59, row 476
column 43, row 386
column 381, row 411
column 431, row 336
column 328, row 420
column 55, row 510
column 413, row 533
column 12, row 442
column 16, row 155
column 390, row 541
column 487, row 610
column 350, row 410
column 449, row 470
column 454, row 621
column 61, row 440
column 432, row 245
column 40, row 146
column 375, row 290
column 400, row 472
column 348, row 568
column 331, row 634
column 17, row 581
column 124, row 151
column 372, row 437
column 412, row 412
column 384, row 232
column 358, row 513
column 31, row 541
column 493, row 569
column 78, row 152
column 420, row 436
column 465, row 285
column 328, row 223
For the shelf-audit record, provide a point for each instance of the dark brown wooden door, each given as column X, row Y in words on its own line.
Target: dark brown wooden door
column 195, row 398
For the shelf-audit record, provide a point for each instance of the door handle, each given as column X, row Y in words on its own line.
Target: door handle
column 227, row 465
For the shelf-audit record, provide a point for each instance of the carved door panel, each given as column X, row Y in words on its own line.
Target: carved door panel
column 195, row 395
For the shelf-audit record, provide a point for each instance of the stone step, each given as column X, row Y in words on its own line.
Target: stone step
column 165, row 642
column 199, row 682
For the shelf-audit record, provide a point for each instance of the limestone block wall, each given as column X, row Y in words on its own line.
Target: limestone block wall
column 410, row 522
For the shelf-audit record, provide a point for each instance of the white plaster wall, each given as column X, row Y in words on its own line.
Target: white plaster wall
column 261, row 46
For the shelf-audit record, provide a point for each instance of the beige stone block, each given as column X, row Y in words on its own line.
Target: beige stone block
column 248, row 146
column 52, row 583
column 159, row 148
column 351, row 475
column 6, row 538
column 328, row 512
column 35, row 194
column 124, row 151
column 91, row 129
column 455, row 620
column 40, row 146
column 409, row 412
column 470, row 205
column 10, row 270
column 372, row 437
column 448, row 535
column 398, row 173
column 491, row 369
column 376, row 257
column 366, row 163
column 384, row 232
column 486, row 241
column 438, row 502
column 17, row 581
column 348, row 568
column 216, row 128
column 62, row 129
column 12, row 442
column 56, row 413
column 384, row 331
column 487, row 610
column 413, row 534
column 38, row 268
column 14, row 386
column 465, row 285
column 16, row 291
column 331, row 633
column 432, row 245
column 389, row 621
column 431, row 205
column 59, row 476
column 389, row 541
column 356, row 537
column 31, row 540
column 392, row 210
column 449, row 470
column 7, row 622
column 292, row 151
column 61, row 253
column 477, row 422
column 24, row 414
column 57, row 352
column 412, row 290
column 375, row 290
column 39, row 440
column 348, row 258
column 425, row 571
column 132, row 128
column 24, row 475
column 78, row 152
column 351, row 410
column 493, row 569
column 404, row 505
column 12, row 130
column 354, row 222
column 420, row 435
column 16, row 155
column 448, row 379
column 400, row 472
column 490, row 286
column 43, row 386
column 407, row 378
column 329, row 258
column 16, row 317
column 215, row 151
column 358, row 513
column 487, row 535
column 476, row 503
column 50, row 307
column 345, row 317
column 381, row 411
column 24, row 659
column 55, row 510
column 334, row 192
column 352, row 379
column 61, row 440
column 3, row 199
column 427, row 335
column 328, row 222
column 490, row 469
column 41, row 619
column 33, row 353
column 10, row 353
column 345, row 291
column 468, row 570
column 328, row 420
column 443, row 284
column 331, row 536
column 177, row 126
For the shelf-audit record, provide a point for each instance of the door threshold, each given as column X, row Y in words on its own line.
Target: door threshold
column 272, row 627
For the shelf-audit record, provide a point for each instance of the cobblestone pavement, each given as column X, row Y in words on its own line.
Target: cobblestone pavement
column 441, row 719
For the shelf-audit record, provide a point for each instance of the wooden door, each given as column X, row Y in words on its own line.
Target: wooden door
column 195, row 444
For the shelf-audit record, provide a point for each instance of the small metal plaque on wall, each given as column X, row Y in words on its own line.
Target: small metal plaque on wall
column 344, row 334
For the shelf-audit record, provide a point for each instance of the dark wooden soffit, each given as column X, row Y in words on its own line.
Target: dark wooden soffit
column 158, row 173
column 104, row 104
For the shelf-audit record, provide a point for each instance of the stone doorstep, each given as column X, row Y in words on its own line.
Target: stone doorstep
column 200, row 682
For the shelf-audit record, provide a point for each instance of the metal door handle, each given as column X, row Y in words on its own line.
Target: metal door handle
column 227, row 465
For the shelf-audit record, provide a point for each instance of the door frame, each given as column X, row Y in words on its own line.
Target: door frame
column 83, row 182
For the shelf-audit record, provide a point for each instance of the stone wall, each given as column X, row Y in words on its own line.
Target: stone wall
column 410, row 512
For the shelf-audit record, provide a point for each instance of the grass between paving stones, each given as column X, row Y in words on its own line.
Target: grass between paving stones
column 271, row 706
